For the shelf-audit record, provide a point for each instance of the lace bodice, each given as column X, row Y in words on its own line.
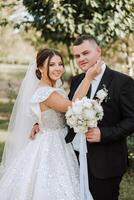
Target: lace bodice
column 52, row 119
column 49, row 119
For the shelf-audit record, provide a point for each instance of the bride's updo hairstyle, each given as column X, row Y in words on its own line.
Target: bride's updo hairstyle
column 42, row 56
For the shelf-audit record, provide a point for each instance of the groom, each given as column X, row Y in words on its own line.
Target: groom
column 107, row 149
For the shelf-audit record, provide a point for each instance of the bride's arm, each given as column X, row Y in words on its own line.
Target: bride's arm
column 59, row 103
column 85, row 84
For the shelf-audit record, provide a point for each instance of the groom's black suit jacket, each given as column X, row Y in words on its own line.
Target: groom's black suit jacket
column 109, row 157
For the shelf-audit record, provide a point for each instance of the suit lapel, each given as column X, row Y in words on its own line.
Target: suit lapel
column 76, row 85
column 106, row 80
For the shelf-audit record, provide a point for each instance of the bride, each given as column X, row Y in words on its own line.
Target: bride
column 45, row 168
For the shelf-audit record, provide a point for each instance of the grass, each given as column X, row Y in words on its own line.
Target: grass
column 1, row 149
column 6, row 107
column 3, row 124
column 5, row 110
column 126, row 188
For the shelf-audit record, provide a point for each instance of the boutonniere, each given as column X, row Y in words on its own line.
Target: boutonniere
column 102, row 94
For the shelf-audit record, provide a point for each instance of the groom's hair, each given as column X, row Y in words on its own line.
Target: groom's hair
column 79, row 40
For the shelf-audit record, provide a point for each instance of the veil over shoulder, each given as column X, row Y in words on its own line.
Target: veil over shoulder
column 21, row 121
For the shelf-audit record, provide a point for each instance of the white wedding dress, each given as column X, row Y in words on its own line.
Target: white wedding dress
column 47, row 168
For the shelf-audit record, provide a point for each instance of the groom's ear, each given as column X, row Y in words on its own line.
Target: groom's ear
column 99, row 50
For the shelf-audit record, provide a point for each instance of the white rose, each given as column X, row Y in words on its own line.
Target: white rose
column 90, row 114
column 92, row 123
column 69, row 112
column 72, row 121
column 100, row 115
column 79, row 122
column 101, row 94
column 77, row 109
column 98, row 108
column 77, row 103
column 87, row 104
column 80, row 129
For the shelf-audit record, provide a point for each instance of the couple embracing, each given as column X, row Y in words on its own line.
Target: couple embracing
column 46, row 168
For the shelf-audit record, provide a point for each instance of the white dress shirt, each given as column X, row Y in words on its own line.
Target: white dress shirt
column 95, row 82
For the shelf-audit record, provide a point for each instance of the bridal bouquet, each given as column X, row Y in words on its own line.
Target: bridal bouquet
column 86, row 113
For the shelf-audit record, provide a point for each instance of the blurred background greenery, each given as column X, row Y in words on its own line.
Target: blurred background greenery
column 26, row 26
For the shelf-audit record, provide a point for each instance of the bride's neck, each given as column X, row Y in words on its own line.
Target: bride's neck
column 47, row 82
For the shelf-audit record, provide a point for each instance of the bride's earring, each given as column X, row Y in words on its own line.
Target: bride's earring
column 41, row 74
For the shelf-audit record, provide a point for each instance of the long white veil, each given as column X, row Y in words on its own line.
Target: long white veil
column 21, row 120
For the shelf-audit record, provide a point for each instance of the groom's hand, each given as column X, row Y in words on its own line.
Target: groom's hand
column 93, row 135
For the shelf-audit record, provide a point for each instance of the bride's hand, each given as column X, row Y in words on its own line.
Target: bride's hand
column 95, row 70
column 34, row 131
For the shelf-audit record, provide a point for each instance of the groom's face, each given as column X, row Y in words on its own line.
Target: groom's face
column 86, row 54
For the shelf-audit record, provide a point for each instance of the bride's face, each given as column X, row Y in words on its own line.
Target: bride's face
column 54, row 68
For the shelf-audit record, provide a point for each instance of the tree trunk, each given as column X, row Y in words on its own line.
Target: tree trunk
column 74, row 70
